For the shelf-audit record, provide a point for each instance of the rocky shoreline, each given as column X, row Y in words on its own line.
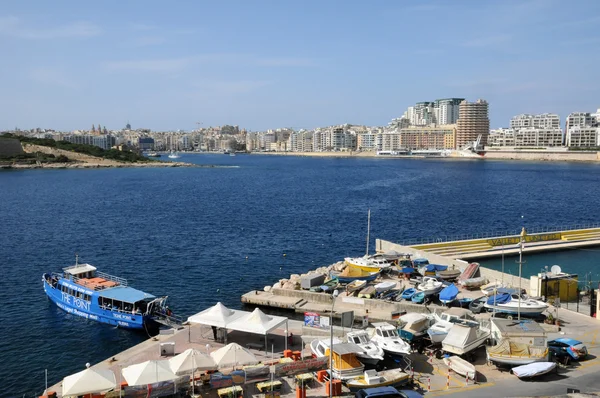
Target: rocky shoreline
column 80, row 165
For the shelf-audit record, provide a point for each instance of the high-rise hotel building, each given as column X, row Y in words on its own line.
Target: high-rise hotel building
column 472, row 121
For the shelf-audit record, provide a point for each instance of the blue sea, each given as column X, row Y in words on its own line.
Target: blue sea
column 202, row 235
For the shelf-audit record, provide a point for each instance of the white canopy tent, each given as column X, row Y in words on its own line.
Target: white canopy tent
column 258, row 322
column 148, row 372
column 88, row 381
column 233, row 354
column 191, row 360
column 218, row 315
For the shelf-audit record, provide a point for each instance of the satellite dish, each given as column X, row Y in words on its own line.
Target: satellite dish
column 555, row 269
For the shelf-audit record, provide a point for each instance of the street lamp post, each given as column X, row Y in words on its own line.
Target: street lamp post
column 522, row 240
column 333, row 297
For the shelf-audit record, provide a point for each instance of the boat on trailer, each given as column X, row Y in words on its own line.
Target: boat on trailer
column 84, row 291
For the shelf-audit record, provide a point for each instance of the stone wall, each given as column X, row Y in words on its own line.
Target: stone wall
column 573, row 156
column 10, row 147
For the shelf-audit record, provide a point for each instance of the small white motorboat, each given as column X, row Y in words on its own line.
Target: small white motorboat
column 444, row 322
column 372, row 352
column 414, row 325
column 533, row 369
column 474, row 283
column 460, row 366
column 514, row 303
column 384, row 378
column 386, row 336
column 384, row 286
column 430, row 285
column 464, row 337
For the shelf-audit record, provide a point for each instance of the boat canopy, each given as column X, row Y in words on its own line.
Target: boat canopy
column 449, row 293
column 501, row 298
column 125, row 294
column 408, row 270
column 79, row 269
column 420, row 261
column 347, row 348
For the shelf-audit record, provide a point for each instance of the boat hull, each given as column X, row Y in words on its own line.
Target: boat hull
column 460, row 366
column 514, row 310
column 87, row 310
column 357, row 385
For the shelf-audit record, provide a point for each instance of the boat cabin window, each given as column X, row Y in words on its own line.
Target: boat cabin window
column 379, row 332
column 444, row 317
column 356, row 340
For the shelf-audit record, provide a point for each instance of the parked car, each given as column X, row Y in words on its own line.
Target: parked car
column 565, row 349
column 476, row 305
column 387, row 392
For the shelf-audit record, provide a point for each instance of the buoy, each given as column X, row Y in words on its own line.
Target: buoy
column 280, row 268
column 284, row 254
column 246, row 257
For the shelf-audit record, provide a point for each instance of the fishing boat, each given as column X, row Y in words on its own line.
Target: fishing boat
column 448, row 274
column 372, row 353
column 346, row 365
column 368, row 263
column 418, row 297
column 448, row 294
column 460, row 366
column 430, row 285
column 533, row 369
column 174, row 155
column 469, row 272
column 413, row 325
column 83, row 291
column 444, row 322
column 514, row 304
column 384, row 286
column 508, row 353
column 408, row 293
column 384, row 378
column 153, row 155
column 367, row 292
column 431, row 269
column 355, row 286
column 386, row 336
column 464, row 337
column 350, row 274
column 473, row 283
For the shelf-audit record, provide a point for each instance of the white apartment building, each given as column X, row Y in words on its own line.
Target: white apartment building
column 582, row 136
column 446, row 110
column 582, row 129
column 542, row 121
column 366, row 141
column 439, row 112
column 526, row 137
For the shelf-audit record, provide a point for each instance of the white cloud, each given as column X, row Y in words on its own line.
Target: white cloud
column 230, row 87
column 486, row 41
column 177, row 64
column 15, row 27
column 52, row 77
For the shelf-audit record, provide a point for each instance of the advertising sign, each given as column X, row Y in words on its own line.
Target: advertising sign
column 312, row 319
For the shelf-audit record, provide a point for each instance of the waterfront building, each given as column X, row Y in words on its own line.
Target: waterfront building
column 104, row 141
column 146, row 143
column 525, row 137
column 542, row 121
column 582, row 128
column 366, row 141
column 446, row 111
column 415, row 138
column 473, row 121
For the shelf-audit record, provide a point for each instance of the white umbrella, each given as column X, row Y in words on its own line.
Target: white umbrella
column 89, row 381
column 191, row 360
column 148, row 372
column 233, row 354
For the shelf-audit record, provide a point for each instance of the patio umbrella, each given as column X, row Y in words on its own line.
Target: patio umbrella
column 148, row 372
column 191, row 360
column 233, row 354
column 89, row 381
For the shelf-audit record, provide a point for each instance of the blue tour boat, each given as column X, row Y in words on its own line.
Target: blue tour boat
column 83, row 291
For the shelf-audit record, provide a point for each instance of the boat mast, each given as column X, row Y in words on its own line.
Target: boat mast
column 368, row 231
column 522, row 240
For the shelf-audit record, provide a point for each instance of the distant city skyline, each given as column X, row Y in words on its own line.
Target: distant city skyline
column 271, row 64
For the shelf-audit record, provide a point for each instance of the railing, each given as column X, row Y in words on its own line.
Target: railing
column 498, row 233
column 108, row 277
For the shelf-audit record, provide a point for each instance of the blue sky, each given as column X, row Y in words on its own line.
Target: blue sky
column 267, row 64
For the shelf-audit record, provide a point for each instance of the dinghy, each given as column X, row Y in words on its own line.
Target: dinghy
column 418, row 298
column 367, row 292
column 355, row 286
column 474, row 283
column 448, row 274
column 330, row 285
column 430, row 285
column 408, row 293
column 373, row 379
column 469, row 272
column 431, row 269
column 448, row 294
column 533, row 369
column 384, row 286
column 460, row 366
